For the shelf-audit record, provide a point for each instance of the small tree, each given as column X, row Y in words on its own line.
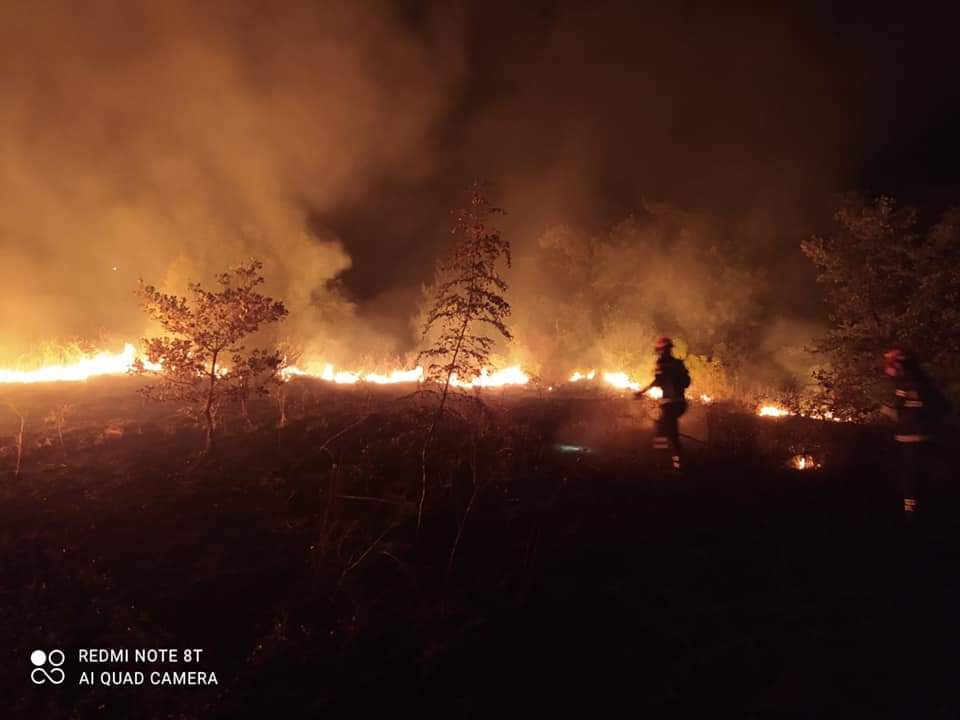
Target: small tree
column 291, row 353
column 253, row 375
column 468, row 301
column 22, row 417
column 206, row 333
column 56, row 419
column 468, row 295
column 889, row 282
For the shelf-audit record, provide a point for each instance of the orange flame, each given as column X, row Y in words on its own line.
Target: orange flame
column 772, row 411
column 396, row 376
column 103, row 363
column 513, row 375
column 620, row 380
column 508, row 376
column 803, row 462
column 107, row 363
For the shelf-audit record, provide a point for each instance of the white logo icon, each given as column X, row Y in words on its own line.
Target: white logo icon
column 40, row 674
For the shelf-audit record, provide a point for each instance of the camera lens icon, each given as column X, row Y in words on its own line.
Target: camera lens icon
column 40, row 675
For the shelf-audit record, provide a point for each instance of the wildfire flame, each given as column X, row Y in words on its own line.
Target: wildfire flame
column 396, row 376
column 618, row 380
column 803, row 462
column 107, row 363
column 487, row 378
column 329, row 373
column 508, row 376
column 103, row 363
column 772, row 411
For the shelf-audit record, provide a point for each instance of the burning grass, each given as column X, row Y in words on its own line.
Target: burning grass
column 84, row 366
column 105, row 363
column 773, row 411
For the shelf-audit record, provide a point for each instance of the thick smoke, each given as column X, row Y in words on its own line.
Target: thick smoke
column 690, row 149
column 659, row 167
column 170, row 140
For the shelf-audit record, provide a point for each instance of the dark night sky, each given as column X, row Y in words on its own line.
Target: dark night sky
column 723, row 111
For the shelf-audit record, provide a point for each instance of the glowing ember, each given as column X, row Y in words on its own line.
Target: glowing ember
column 578, row 376
column 827, row 415
column 803, row 462
column 772, row 411
column 777, row 411
column 103, row 363
column 705, row 398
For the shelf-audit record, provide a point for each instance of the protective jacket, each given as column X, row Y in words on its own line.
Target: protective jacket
column 919, row 406
column 672, row 377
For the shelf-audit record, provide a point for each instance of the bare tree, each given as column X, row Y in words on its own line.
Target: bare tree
column 56, row 419
column 19, row 436
column 259, row 374
column 206, row 333
column 468, row 301
column 291, row 353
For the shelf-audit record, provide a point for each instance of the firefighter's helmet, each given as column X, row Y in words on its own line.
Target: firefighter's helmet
column 663, row 344
column 894, row 356
column 894, row 361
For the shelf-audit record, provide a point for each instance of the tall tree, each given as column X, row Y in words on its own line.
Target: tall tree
column 890, row 282
column 468, row 303
column 202, row 360
column 468, row 297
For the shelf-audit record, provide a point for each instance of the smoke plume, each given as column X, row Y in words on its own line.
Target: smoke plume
column 171, row 140
column 678, row 154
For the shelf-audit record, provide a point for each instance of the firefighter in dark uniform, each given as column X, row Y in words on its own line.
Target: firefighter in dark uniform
column 918, row 409
column 673, row 379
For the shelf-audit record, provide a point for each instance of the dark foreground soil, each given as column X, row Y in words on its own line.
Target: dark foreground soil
column 587, row 582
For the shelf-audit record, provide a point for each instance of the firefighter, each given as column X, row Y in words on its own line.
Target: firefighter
column 918, row 409
column 672, row 377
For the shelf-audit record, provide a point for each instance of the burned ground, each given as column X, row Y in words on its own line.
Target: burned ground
column 586, row 580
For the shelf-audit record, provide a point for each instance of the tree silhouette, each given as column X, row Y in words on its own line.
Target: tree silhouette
column 468, row 297
column 890, row 282
column 202, row 361
column 468, row 301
